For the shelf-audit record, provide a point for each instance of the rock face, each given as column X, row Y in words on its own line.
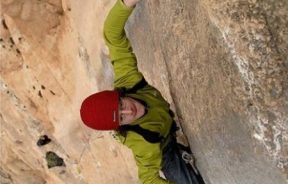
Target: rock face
column 51, row 53
column 225, row 64
column 222, row 65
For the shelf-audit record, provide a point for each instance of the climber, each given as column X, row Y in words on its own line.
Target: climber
column 136, row 110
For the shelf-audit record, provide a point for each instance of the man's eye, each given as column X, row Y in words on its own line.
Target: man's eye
column 121, row 118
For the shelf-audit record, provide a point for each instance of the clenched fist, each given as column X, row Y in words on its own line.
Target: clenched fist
column 130, row 3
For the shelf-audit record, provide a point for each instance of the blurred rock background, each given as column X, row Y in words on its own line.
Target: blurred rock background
column 221, row 64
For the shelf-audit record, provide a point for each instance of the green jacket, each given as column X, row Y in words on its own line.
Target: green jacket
column 148, row 155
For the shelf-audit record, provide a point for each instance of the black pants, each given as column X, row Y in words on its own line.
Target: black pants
column 174, row 167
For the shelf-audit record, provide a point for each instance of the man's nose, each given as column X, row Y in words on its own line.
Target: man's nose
column 126, row 112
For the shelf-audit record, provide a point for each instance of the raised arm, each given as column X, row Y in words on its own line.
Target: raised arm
column 130, row 3
column 121, row 53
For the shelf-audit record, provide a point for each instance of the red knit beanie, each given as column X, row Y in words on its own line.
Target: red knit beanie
column 100, row 111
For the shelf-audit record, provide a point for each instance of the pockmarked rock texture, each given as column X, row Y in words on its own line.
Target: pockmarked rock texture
column 52, row 57
column 221, row 64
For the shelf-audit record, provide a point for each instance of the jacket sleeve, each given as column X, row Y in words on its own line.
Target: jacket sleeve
column 148, row 158
column 124, row 62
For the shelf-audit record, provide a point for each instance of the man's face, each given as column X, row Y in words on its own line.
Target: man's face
column 130, row 110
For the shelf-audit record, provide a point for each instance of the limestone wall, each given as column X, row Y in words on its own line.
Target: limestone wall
column 221, row 64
